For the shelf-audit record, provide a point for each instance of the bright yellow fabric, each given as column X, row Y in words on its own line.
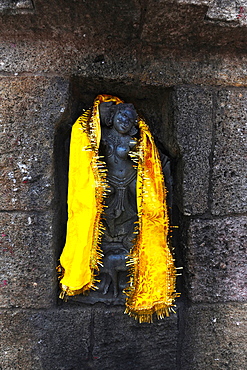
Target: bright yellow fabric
column 81, row 213
column 153, row 270
column 152, row 277
column 81, row 255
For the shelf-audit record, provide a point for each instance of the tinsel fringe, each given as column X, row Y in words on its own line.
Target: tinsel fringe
column 161, row 309
column 146, row 316
column 99, row 170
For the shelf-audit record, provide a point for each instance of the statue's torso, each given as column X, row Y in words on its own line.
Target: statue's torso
column 116, row 154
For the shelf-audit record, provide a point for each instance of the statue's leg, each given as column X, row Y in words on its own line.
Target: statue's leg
column 114, row 276
column 106, row 283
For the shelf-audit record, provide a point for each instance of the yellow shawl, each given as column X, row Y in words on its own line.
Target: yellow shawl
column 151, row 264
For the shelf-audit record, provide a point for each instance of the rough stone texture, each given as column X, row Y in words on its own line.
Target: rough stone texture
column 161, row 43
column 27, row 139
column 82, row 19
column 216, row 260
column 16, row 6
column 120, row 62
column 190, row 137
column 215, row 337
column 121, row 343
column 224, row 12
column 77, row 338
column 178, row 53
column 228, row 12
column 27, row 263
column 56, row 339
column 229, row 181
column 184, row 17
column 17, row 340
column 197, row 2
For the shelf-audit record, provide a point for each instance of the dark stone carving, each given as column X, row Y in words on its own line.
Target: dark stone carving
column 119, row 138
column 118, row 129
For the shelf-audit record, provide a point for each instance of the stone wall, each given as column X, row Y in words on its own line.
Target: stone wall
column 183, row 64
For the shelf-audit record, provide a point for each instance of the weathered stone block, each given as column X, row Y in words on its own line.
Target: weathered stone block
column 162, row 15
column 215, row 337
column 216, row 260
column 56, row 339
column 121, row 343
column 229, row 180
column 189, row 137
column 16, row 6
column 27, row 266
column 31, row 108
column 115, row 60
column 228, row 12
column 224, row 12
column 17, row 341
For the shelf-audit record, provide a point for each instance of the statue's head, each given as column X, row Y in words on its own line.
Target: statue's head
column 123, row 117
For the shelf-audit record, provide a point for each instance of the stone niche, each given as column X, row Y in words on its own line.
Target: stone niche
column 150, row 102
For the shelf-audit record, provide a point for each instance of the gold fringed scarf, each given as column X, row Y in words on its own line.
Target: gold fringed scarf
column 151, row 265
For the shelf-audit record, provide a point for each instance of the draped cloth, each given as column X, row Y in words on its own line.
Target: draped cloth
column 152, row 274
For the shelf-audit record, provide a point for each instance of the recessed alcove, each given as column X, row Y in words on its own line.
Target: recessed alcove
column 151, row 102
column 186, row 74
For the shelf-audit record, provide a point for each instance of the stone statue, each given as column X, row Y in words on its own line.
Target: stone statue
column 118, row 148
column 119, row 127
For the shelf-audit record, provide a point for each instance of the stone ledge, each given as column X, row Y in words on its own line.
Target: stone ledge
column 44, row 340
column 43, row 57
column 80, row 337
column 136, row 346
